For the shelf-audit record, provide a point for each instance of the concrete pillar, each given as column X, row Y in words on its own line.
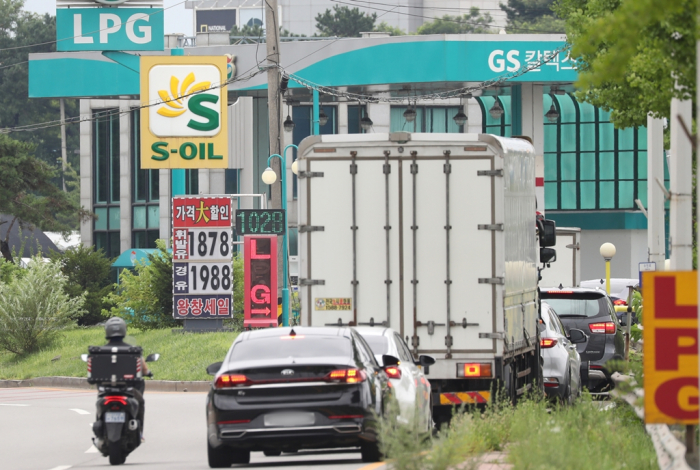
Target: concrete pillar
column 342, row 118
column 203, row 180
column 125, row 169
column 380, row 114
column 681, row 173
column 656, row 231
column 165, row 205
column 86, row 181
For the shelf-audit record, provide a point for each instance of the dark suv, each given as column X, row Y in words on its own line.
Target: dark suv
column 592, row 311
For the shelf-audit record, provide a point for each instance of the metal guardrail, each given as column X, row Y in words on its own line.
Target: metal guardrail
column 670, row 452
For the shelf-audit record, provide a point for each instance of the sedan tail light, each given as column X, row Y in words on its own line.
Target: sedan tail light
column 393, row 372
column 350, row 376
column 546, row 343
column 607, row 328
column 231, row 380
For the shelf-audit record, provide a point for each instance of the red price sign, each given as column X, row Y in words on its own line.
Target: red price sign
column 201, row 212
column 260, row 303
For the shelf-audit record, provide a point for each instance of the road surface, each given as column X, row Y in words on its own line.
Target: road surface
column 51, row 429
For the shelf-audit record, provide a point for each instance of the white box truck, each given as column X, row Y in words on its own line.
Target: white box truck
column 566, row 271
column 434, row 236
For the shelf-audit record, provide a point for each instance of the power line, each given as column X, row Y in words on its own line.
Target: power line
column 451, row 20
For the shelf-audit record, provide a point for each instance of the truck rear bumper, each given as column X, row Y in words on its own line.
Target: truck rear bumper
column 462, row 398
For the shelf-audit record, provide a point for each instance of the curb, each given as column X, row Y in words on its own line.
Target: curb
column 82, row 383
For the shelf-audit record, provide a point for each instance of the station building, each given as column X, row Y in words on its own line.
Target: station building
column 589, row 175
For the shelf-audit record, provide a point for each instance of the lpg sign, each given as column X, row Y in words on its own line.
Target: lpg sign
column 184, row 119
column 108, row 28
column 671, row 347
column 260, row 285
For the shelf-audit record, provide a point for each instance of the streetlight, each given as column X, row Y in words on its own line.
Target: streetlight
column 270, row 177
column 607, row 251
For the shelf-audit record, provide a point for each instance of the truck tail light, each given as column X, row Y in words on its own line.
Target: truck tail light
column 350, row 376
column 606, row 328
column 474, row 370
column 393, row 372
column 231, row 380
column 546, row 343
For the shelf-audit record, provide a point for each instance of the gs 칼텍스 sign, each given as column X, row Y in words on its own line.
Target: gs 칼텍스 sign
column 184, row 122
column 670, row 347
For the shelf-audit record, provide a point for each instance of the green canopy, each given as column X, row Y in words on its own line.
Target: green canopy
column 129, row 258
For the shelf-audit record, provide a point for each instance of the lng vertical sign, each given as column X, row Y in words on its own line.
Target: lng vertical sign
column 109, row 25
column 183, row 116
column 671, row 347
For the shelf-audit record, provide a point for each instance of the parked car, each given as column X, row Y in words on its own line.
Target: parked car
column 619, row 291
column 283, row 389
column 562, row 362
column 590, row 310
column 409, row 385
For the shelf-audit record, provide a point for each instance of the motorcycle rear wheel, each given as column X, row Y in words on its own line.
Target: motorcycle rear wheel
column 116, row 454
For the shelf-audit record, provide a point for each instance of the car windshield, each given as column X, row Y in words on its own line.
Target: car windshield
column 379, row 344
column 276, row 347
column 578, row 306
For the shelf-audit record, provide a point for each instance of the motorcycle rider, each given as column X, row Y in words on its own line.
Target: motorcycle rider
column 115, row 331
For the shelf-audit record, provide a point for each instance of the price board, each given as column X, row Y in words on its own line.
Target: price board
column 260, row 222
column 202, row 257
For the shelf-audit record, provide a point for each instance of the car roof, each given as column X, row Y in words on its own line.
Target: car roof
column 299, row 330
column 572, row 290
column 374, row 331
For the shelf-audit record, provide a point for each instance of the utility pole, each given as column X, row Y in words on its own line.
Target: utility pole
column 64, row 153
column 274, row 100
column 656, row 232
column 681, row 172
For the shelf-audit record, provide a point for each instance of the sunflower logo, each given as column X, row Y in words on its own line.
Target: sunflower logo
column 174, row 103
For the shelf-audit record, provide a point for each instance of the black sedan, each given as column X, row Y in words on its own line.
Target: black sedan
column 283, row 389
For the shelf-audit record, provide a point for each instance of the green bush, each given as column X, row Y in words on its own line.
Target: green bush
column 9, row 271
column 403, row 439
column 144, row 298
column 35, row 307
column 87, row 271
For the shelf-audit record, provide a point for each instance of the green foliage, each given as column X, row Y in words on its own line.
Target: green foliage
column 144, row 298
column 9, row 271
column 183, row 356
column 638, row 305
column 35, row 307
column 403, row 439
column 344, row 22
column 473, row 22
column 259, row 32
column 387, row 28
column 532, row 16
column 27, row 190
column 87, row 271
column 630, row 53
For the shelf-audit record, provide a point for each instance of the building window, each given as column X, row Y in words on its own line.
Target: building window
column 501, row 126
column 588, row 164
column 355, row 113
column 105, row 154
column 145, row 194
column 428, row 119
column 303, row 117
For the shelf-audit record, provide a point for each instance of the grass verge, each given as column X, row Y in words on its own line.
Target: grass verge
column 183, row 356
column 536, row 435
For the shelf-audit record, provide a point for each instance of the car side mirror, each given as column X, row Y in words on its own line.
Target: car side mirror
column 623, row 319
column 212, row 369
column 541, row 326
column 548, row 235
column 577, row 336
column 426, row 361
column 152, row 357
column 389, row 360
column 547, row 255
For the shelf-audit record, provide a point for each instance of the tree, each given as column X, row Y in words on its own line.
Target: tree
column 344, row 22
column 35, row 308
column 145, row 298
column 469, row 23
column 532, row 16
column 632, row 74
column 87, row 271
column 27, row 191
column 387, row 28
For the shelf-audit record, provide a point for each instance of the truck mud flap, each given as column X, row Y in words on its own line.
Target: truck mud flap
column 465, row 398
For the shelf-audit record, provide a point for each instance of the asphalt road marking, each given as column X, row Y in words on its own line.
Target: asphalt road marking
column 11, row 404
column 80, row 412
column 92, row 450
column 62, row 467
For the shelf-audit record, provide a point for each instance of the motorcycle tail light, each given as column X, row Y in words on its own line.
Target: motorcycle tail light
column 349, row 376
column 115, row 399
column 231, row 380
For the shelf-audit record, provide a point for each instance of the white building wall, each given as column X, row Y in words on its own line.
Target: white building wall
column 631, row 248
column 86, row 182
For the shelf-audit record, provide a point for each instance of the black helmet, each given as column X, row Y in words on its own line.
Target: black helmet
column 115, row 327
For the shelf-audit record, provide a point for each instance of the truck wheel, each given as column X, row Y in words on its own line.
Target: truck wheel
column 219, row 457
column 116, row 455
column 370, row 452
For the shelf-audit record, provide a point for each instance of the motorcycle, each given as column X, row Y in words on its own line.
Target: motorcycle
column 117, row 372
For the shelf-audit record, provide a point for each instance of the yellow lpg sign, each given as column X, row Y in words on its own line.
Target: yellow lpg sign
column 184, row 118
